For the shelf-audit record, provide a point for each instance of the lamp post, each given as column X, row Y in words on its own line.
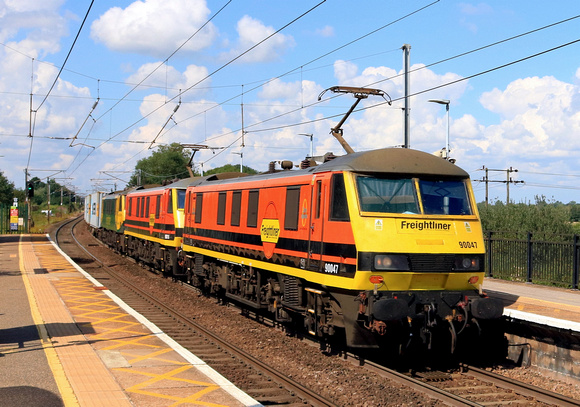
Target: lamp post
column 311, row 143
column 446, row 103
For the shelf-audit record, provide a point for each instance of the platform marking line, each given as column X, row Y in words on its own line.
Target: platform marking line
column 64, row 387
column 156, row 378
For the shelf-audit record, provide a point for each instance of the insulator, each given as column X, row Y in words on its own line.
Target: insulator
column 286, row 164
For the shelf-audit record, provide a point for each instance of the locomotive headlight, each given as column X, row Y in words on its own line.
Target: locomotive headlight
column 465, row 263
column 391, row 262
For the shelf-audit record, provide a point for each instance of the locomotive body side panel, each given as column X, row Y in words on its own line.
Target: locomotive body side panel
column 283, row 238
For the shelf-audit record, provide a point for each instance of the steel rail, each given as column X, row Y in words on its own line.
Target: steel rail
column 525, row 389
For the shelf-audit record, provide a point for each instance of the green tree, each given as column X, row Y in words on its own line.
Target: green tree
column 39, row 191
column 6, row 190
column 574, row 211
column 166, row 163
column 231, row 168
column 539, row 218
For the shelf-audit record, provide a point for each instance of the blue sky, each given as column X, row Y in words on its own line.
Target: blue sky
column 136, row 60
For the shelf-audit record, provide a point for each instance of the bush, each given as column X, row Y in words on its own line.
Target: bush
column 541, row 219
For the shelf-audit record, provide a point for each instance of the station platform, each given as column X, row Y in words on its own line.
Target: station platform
column 67, row 341
column 542, row 305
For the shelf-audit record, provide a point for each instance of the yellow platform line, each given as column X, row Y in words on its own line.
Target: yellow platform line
column 68, row 397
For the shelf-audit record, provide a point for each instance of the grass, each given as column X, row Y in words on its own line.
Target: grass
column 40, row 221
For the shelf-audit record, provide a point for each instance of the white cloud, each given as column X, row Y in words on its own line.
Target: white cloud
column 326, row 31
column 251, row 32
column 155, row 27
column 539, row 118
column 36, row 27
column 167, row 77
column 468, row 11
column 474, row 9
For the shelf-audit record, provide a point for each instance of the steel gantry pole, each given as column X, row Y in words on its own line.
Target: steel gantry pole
column 407, row 122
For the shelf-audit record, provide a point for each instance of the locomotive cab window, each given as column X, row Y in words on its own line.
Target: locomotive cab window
column 387, row 195
column 180, row 198
column 338, row 204
column 400, row 195
column 169, row 202
column 445, row 197
column 198, row 207
column 318, row 198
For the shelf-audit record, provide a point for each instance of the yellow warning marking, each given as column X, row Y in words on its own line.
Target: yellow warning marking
column 155, row 378
column 193, row 399
column 64, row 387
column 152, row 355
column 132, row 358
column 108, row 322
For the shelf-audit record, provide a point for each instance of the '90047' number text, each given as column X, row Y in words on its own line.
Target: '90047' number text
column 468, row 245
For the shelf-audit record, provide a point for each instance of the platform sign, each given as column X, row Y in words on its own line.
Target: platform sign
column 13, row 218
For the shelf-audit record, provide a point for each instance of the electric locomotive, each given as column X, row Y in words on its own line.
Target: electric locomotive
column 152, row 225
column 382, row 248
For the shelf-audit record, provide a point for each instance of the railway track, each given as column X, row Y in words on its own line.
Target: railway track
column 265, row 384
column 470, row 387
column 473, row 386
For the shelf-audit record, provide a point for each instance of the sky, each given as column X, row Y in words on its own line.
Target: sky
column 88, row 90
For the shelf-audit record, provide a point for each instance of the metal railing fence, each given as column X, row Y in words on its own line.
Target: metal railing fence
column 548, row 260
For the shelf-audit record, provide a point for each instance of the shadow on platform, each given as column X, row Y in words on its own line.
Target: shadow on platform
column 23, row 334
column 28, row 396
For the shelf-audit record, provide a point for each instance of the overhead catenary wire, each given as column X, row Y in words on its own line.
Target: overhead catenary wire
column 421, row 91
column 299, row 68
column 67, row 56
column 396, row 99
column 166, row 59
column 386, row 79
column 147, row 76
column 256, row 130
column 216, row 70
column 220, row 68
